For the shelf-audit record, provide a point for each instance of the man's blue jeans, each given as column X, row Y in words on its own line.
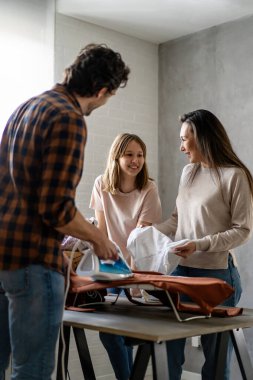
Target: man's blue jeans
column 31, row 308
column 175, row 348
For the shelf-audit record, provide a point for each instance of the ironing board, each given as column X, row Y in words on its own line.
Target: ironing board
column 170, row 302
column 206, row 293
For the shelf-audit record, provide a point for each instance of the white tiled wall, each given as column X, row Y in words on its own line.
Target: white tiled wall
column 134, row 109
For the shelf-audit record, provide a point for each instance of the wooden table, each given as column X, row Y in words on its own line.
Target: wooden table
column 150, row 327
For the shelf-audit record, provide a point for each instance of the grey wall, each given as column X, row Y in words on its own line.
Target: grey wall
column 212, row 69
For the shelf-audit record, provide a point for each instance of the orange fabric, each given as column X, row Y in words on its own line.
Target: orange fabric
column 217, row 311
column 206, row 292
column 80, row 309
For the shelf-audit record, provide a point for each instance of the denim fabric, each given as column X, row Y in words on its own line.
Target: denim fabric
column 5, row 348
column 121, row 355
column 31, row 312
column 175, row 348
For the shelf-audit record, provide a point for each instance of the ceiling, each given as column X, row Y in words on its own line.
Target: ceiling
column 156, row 21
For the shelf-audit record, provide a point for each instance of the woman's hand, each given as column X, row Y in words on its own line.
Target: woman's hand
column 185, row 250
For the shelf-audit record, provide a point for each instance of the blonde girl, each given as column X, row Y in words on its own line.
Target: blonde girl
column 123, row 198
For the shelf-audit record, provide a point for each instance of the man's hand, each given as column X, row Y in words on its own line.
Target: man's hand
column 185, row 250
column 105, row 249
column 80, row 228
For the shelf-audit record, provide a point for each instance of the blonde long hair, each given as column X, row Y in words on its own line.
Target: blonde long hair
column 111, row 176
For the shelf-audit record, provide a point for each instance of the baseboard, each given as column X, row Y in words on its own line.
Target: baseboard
column 185, row 376
column 106, row 377
column 190, row 376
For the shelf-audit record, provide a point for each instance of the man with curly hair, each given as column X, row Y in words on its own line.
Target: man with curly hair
column 41, row 162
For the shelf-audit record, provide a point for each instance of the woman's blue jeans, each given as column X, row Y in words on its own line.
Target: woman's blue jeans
column 175, row 348
column 120, row 354
column 31, row 308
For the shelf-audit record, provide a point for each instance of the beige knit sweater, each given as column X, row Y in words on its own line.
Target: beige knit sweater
column 217, row 217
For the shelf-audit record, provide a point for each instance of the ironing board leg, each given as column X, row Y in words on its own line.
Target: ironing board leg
column 66, row 336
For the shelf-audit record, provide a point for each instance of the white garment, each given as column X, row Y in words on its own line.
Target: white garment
column 152, row 250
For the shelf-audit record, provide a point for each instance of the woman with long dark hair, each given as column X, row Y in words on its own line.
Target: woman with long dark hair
column 214, row 211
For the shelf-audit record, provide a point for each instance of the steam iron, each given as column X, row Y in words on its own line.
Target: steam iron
column 103, row 270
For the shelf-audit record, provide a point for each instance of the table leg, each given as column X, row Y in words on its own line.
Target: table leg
column 84, row 354
column 141, row 361
column 63, row 363
column 158, row 353
column 160, row 361
column 242, row 354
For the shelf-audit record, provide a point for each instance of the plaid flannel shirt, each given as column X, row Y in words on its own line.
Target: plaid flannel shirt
column 41, row 161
